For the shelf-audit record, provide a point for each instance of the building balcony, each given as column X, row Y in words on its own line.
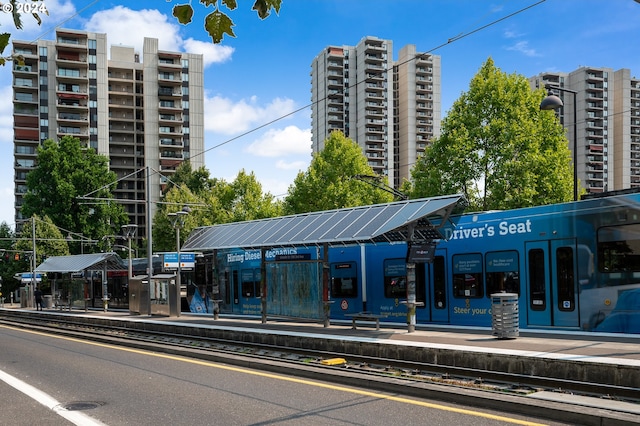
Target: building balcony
column 21, row 109
column 169, row 142
column 25, row 69
column 167, row 91
column 72, row 103
column 67, row 116
column 120, row 75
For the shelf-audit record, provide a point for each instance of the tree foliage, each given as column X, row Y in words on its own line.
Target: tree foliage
column 17, row 22
column 8, row 267
column 49, row 239
column 497, row 148
column 212, row 201
column 329, row 181
column 64, row 172
column 218, row 23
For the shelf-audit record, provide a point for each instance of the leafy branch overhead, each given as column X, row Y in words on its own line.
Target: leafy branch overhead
column 218, row 23
column 17, row 22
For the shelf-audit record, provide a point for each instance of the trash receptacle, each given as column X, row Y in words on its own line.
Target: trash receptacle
column 47, row 301
column 504, row 315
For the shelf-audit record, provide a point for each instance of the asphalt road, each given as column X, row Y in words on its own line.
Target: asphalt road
column 103, row 384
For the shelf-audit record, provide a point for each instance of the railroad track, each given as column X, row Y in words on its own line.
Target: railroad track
column 334, row 365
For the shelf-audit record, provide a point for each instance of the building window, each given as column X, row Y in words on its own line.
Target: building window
column 43, row 51
column 185, row 63
column 93, row 44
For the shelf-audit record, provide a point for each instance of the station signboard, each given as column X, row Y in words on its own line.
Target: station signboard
column 187, row 261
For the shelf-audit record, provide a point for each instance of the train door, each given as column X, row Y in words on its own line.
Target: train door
column 437, row 287
column 551, row 283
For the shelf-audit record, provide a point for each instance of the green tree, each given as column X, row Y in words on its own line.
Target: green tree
column 218, row 23
column 49, row 239
column 198, row 181
column 329, row 181
column 246, row 201
column 497, row 148
column 8, row 267
column 164, row 234
column 66, row 171
column 216, row 201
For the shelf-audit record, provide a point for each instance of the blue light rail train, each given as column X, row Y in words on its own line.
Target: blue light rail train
column 574, row 266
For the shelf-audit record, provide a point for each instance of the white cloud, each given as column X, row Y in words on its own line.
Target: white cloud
column 128, row 27
column 523, row 47
column 293, row 165
column 119, row 23
column 279, row 143
column 222, row 115
column 211, row 53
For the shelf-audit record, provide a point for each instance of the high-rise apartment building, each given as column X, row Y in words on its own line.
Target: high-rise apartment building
column 145, row 116
column 607, row 121
column 391, row 109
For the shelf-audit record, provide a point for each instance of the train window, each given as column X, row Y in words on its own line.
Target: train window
column 467, row 275
column 344, row 279
column 439, row 283
column 537, row 280
column 564, row 267
column 503, row 273
column 248, row 284
column 619, row 248
column 395, row 278
column 251, row 283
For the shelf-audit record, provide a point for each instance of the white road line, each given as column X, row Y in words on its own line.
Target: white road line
column 75, row 417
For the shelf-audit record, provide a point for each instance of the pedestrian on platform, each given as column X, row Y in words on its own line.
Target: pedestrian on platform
column 38, row 296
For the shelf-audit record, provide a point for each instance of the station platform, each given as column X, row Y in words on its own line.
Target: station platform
column 564, row 354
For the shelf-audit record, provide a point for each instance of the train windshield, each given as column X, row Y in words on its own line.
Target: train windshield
column 619, row 248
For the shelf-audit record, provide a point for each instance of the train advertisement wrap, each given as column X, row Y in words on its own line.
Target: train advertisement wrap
column 573, row 266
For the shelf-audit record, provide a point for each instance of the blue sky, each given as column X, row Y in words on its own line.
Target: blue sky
column 262, row 75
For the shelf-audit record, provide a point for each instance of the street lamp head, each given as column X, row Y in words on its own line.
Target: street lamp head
column 551, row 102
column 186, row 209
column 129, row 230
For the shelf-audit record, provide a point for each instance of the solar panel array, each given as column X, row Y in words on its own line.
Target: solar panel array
column 80, row 262
column 376, row 223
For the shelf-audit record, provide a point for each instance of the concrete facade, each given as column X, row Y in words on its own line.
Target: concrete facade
column 146, row 116
column 608, row 124
column 391, row 109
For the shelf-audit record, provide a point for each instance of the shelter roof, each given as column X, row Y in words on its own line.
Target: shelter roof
column 80, row 262
column 375, row 223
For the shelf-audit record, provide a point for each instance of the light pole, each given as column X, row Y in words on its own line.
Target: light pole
column 129, row 232
column 177, row 221
column 553, row 102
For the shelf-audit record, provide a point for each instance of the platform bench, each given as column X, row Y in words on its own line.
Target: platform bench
column 365, row 316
